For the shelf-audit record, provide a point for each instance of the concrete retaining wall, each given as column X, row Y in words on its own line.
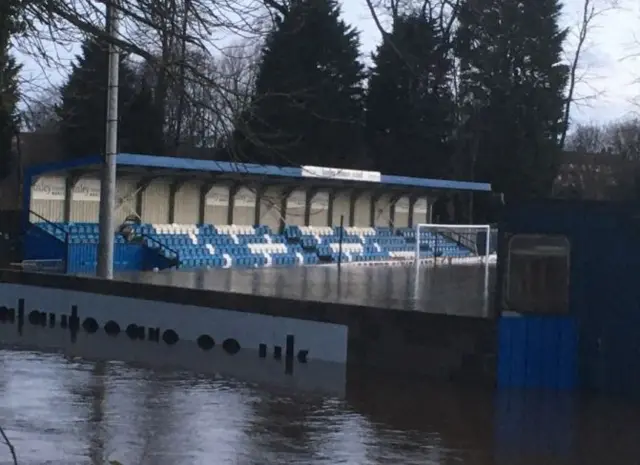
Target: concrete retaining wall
column 299, row 333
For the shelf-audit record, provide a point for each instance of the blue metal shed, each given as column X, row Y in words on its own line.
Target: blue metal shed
column 602, row 324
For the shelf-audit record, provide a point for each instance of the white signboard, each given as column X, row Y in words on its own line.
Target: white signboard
column 87, row 190
column 339, row 173
column 402, row 205
column 48, row 188
column 218, row 196
column 322, row 341
column 297, row 199
column 245, row 198
column 420, row 206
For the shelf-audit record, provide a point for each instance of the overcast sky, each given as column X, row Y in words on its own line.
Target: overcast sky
column 609, row 69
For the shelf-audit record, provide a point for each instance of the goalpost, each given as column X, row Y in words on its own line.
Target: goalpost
column 453, row 244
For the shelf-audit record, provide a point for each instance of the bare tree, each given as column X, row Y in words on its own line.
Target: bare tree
column 591, row 11
column 39, row 113
column 623, row 139
column 8, row 443
column 603, row 162
column 587, row 138
column 164, row 35
column 620, row 139
column 207, row 117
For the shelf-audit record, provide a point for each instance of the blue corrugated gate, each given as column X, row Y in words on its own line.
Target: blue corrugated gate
column 537, row 352
column 604, row 301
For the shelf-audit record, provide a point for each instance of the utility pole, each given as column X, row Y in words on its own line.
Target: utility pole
column 108, row 181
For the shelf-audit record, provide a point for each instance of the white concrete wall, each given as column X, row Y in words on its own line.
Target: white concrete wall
column 85, row 201
column 323, row 377
column 420, row 211
column 125, row 198
column 341, row 206
column 325, row 342
column 383, row 210
column 362, row 216
column 270, row 203
column 216, row 206
column 47, row 198
column 187, row 204
column 296, row 203
column 155, row 202
column 401, row 214
column 244, row 209
column 318, row 215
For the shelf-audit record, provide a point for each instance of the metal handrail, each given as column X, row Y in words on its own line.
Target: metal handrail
column 462, row 240
column 162, row 245
column 66, row 233
column 66, row 236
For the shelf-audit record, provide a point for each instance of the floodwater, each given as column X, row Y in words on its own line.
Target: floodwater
column 460, row 289
column 92, row 399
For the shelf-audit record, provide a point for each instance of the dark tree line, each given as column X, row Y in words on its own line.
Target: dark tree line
column 9, row 92
column 464, row 89
column 474, row 91
column 603, row 162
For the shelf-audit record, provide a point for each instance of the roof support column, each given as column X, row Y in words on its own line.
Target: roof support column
column 332, row 199
column 352, row 206
column 260, row 191
column 173, row 190
column 412, row 202
column 205, row 187
column 392, row 210
column 70, row 182
column 283, row 207
column 372, row 208
column 233, row 190
column 310, row 194
column 430, row 204
column 141, row 187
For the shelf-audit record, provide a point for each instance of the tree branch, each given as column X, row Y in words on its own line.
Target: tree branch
column 6, row 440
column 589, row 15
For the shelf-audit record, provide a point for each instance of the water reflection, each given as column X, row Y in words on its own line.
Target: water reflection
column 61, row 409
column 536, row 425
column 97, row 398
column 448, row 289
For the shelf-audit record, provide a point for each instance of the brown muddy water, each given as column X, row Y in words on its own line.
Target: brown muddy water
column 460, row 289
column 98, row 399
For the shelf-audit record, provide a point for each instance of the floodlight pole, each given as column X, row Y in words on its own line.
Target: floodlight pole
column 108, row 181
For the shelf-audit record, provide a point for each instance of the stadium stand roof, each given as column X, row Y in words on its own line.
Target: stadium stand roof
column 171, row 165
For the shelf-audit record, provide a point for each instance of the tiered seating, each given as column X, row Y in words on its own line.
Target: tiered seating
column 77, row 245
column 324, row 242
column 383, row 238
column 371, row 244
column 77, row 233
column 433, row 243
column 226, row 246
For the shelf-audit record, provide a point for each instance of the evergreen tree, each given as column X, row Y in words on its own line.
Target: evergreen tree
column 512, row 84
column 84, row 104
column 410, row 108
column 309, row 95
column 141, row 127
column 9, row 92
